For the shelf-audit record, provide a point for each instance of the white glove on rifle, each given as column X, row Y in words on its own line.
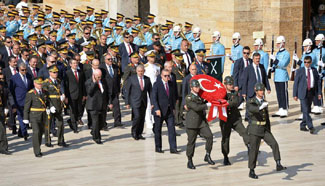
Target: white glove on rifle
column 6, row 111
column 52, row 109
column 26, row 121
column 295, row 57
column 264, row 104
column 62, row 97
column 48, row 111
column 320, row 63
column 272, row 57
column 228, row 55
column 209, row 104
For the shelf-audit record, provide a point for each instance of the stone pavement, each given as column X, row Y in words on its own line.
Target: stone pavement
column 123, row 161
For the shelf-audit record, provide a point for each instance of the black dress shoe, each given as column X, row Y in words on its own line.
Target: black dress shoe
column 177, row 134
column 174, row 151
column 190, row 164
column 208, row 159
column 105, row 128
column 252, row 174
column 63, row 144
column 226, row 161
column 159, row 150
column 303, row 129
column 118, row 125
column 26, row 137
column 75, row 131
column 99, row 142
column 80, row 122
column 5, row 152
column 38, row 155
column 312, row 130
column 14, row 132
column 181, row 125
column 323, row 123
column 48, row 145
column 20, row 135
column 280, row 167
column 141, row 137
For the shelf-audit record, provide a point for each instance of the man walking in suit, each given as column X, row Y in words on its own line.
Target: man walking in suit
column 126, row 49
column 305, row 88
column 75, row 92
column 186, row 89
column 20, row 84
column 24, row 57
column 137, row 90
column 32, row 70
column 163, row 101
column 6, row 51
column 97, row 99
column 112, row 76
column 239, row 67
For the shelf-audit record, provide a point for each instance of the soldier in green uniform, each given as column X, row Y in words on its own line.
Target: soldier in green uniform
column 196, row 124
column 3, row 136
column 260, row 128
column 178, row 69
column 55, row 89
column 234, row 120
column 36, row 111
column 130, row 69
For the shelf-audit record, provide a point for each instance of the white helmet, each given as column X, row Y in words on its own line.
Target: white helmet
column 321, row 7
column 236, row 35
column 216, row 34
column 320, row 37
column 307, row 42
column 196, row 30
column 177, row 28
column 258, row 42
column 280, row 39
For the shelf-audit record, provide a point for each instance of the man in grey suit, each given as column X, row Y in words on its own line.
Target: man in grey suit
column 306, row 87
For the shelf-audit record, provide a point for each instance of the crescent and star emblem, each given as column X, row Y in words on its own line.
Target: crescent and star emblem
column 207, row 90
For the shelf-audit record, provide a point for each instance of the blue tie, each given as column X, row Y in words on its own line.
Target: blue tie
column 25, row 81
column 111, row 71
column 258, row 75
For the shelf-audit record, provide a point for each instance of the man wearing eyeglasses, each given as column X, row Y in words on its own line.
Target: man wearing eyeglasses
column 19, row 85
column 24, row 57
column 126, row 49
column 6, row 51
column 86, row 37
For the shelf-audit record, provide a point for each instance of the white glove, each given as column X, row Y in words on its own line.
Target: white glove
column 320, row 63
column 209, row 104
column 272, row 57
column 48, row 111
column 264, row 104
column 26, row 121
column 295, row 57
column 228, row 55
column 52, row 109
column 62, row 97
column 6, row 111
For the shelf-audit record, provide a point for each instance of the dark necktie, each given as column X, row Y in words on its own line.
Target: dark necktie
column 259, row 80
column 167, row 89
column 308, row 79
column 76, row 75
column 34, row 73
column 141, row 84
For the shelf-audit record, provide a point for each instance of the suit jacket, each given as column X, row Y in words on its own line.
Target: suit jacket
column 159, row 98
column 300, row 85
column 186, row 89
column 18, row 89
column 192, row 56
column 114, row 83
column 134, row 95
column 8, row 74
column 21, row 61
column 5, row 55
column 74, row 89
column 96, row 100
column 249, row 80
column 238, row 71
column 125, row 55
column 29, row 71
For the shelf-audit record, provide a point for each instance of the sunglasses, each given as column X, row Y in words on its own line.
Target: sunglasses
column 87, row 33
column 245, row 52
column 9, row 42
column 126, row 37
column 109, row 59
column 308, row 62
column 166, row 76
column 157, row 39
column 23, row 70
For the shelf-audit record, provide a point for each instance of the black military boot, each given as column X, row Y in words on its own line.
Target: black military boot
column 208, row 159
column 226, row 161
column 279, row 167
column 190, row 164
column 252, row 174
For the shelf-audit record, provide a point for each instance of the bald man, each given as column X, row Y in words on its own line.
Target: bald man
column 97, row 101
column 186, row 82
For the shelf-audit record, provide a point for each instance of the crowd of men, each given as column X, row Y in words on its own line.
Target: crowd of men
column 53, row 64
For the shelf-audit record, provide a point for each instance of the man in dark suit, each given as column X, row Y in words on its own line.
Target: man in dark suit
column 112, row 76
column 24, row 57
column 8, row 72
column 254, row 73
column 163, row 101
column 32, row 70
column 125, row 49
column 188, row 55
column 19, row 85
column 186, row 89
column 307, row 85
column 239, row 67
column 97, row 99
column 137, row 89
column 86, row 37
column 6, row 51
column 75, row 92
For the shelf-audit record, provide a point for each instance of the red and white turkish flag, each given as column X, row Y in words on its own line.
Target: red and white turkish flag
column 214, row 92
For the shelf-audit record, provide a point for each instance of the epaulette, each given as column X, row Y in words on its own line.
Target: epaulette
column 131, row 65
column 31, row 91
column 46, row 80
column 193, row 63
column 145, row 65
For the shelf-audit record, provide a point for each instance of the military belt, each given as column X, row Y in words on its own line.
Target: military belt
column 54, row 96
column 37, row 109
column 179, row 81
column 258, row 122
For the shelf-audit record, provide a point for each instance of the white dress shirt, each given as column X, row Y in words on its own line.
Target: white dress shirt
column 311, row 77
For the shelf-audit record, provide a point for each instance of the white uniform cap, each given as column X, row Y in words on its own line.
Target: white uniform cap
column 196, row 30
column 216, row 34
column 258, row 42
column 320, row 37
column 236, row 35
column 307, row 42
column 280, row 39
column 177, row 28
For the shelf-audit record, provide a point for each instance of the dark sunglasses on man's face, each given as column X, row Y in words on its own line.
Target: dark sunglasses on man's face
column 246, row 53
column 109, row 59
column 9, row 42
column 167, row 76
column 23, row 70
column 157, row 39
column 307, row 61
column 87, row 33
